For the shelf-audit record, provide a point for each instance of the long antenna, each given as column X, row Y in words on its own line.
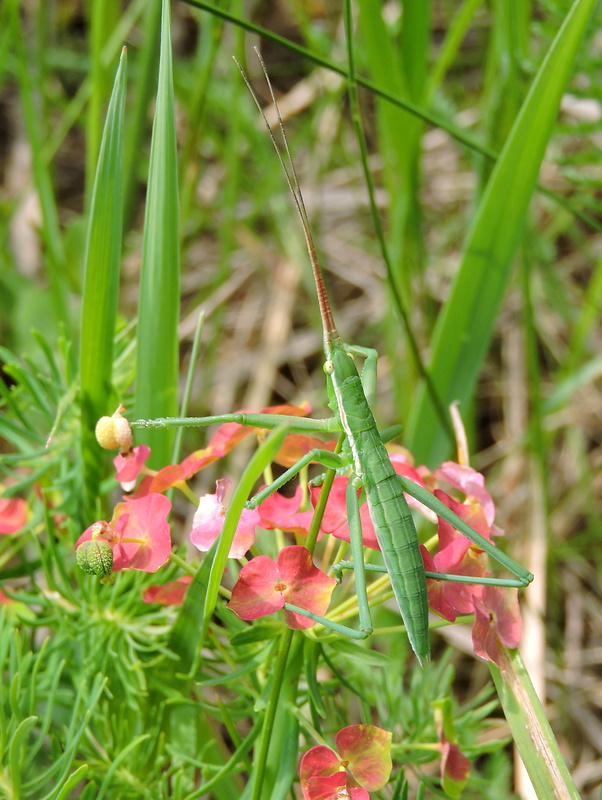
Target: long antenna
column 330, row 331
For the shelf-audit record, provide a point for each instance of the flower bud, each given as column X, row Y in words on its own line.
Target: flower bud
column 105, row 433
column 114, row 432
column 95, row 557
column 123, row 432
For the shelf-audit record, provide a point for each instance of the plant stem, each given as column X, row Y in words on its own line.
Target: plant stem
column 531, row 730
column 266, row 732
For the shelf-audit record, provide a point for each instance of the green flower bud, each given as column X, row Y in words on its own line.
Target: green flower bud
column 95, row 557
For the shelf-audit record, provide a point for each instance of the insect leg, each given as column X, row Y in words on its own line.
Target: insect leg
column 324, row 457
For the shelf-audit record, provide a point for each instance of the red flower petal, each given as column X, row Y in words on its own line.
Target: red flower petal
column 469, row 481
column 335, row 787
column 254, row 594
column 455, row 769
column 138, row 533
column 13, row 514
column 169, row 594
column 209, row 520
column 5, row 600
column 402, row 467
column 296, row 445
column 319, row 762
column 335, row 519
column 282, row 512
column 129, row 465
column 366, row 750
column 144, row 521
column 497, row 622
column 306, row 585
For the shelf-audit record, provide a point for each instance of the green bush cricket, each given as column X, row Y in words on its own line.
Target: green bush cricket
column 365, row 455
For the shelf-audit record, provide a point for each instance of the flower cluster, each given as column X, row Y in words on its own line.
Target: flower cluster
column 139, row 538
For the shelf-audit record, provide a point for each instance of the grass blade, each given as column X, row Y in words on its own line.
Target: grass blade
column 157, row 354
column 531, row 730
column 101, row 281
column 464, row 328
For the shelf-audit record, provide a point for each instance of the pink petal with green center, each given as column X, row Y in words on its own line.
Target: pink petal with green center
column 13, row 514
column 323, row 778
column 91, row 529
column 254, row 594
column 306, row 585
column 145, row 521
column 171, row 593
column 366, row 750
column 282, row 512
column 497, row 622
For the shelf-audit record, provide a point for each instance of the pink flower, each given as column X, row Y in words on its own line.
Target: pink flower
column 13, row 514
column 472, row 484
column 264, row 586
column 169, row 594
column 335, row 520
column 138, row 533
column 361, row 764
column 209, row 520
column 278, row 511
column 129, row 465
column 497, row 622
column 457, row 555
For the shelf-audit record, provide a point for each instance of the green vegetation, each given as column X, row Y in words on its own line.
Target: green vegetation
column 150, row 256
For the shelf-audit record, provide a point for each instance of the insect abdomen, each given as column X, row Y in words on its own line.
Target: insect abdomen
column 390, row 515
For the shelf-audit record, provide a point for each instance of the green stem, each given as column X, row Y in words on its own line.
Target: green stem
column 188, row 568
column 267, row 421
column 531, row 730
column 314, row 530
column 268, row 725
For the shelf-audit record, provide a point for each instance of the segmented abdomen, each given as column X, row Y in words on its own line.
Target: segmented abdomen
column 390, row 514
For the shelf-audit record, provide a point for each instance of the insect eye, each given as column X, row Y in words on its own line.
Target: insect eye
column 328, row 367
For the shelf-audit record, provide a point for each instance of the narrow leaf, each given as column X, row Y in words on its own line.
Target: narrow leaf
column 531, row 730
column 158, row 311
column 465, row 327
column 101, row 280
